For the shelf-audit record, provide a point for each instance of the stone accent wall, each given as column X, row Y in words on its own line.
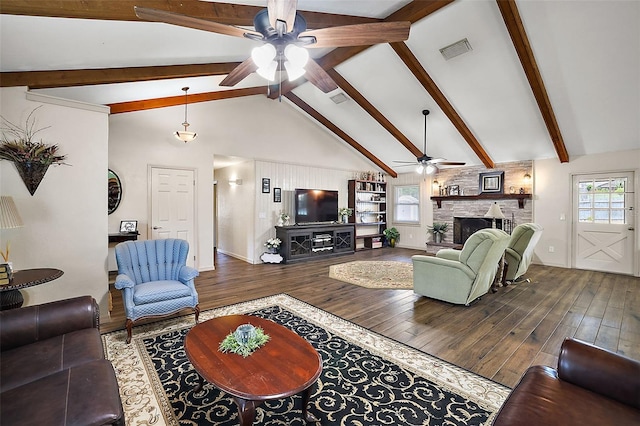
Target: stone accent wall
column 467, row 178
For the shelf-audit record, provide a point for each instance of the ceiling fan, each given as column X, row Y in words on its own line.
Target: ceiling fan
column 284, row 33
column 426, row 164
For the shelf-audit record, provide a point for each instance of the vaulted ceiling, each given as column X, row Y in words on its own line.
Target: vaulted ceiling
column 543, row 79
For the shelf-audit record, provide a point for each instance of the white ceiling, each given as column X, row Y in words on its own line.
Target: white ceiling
column 588, row 53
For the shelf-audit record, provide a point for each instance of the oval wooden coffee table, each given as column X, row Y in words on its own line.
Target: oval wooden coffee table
column 285, row 366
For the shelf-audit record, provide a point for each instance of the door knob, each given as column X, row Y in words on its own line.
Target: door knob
column 157, row 227
column 631, row 228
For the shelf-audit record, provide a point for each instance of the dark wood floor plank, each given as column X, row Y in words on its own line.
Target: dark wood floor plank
column 498, row 336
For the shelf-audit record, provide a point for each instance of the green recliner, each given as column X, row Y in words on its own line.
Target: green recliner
column 519, row 251
column 461, row 276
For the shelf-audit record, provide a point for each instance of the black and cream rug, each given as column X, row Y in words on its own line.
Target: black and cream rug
column 367, row 379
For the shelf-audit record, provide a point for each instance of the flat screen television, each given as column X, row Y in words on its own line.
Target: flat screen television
column 316, row 205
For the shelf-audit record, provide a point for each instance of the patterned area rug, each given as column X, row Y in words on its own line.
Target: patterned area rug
column 367, row 379
column 375, row 274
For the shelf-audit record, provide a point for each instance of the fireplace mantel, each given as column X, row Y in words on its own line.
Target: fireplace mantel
column 519, row 197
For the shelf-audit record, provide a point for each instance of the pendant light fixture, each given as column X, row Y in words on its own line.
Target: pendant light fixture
column 184, row 135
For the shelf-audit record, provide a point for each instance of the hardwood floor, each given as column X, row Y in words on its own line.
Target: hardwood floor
column 498, row 337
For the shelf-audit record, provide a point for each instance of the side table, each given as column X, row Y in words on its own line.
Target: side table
column 10, row 296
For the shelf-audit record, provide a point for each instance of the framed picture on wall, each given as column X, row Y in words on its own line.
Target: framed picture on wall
column 277, row 195
column 266, row 185
column 491, row 183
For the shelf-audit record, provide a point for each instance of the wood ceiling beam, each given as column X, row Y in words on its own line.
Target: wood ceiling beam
column 87, row 77
column 513, row 22
column 373, row 112
column 427, row 82
column 122, row 10
column 121, row 107
column 412, row 12
column 338, row 132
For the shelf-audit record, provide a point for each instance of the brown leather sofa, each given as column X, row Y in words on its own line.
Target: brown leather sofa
column 591, row 386
column 52, row 367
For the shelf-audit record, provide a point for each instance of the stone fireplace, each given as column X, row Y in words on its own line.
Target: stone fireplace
column 473, row 206
column 464, row 227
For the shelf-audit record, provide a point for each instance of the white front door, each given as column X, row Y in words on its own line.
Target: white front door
column 603, row 220
column 172, row 206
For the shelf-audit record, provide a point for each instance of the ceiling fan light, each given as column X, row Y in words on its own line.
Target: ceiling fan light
column 293, row 72
column 268, row 71
column 431, row 168
column 420, row 169
column 298, row 56
column 263, row 55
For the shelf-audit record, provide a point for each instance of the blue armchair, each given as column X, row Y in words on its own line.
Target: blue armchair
column 154, row 279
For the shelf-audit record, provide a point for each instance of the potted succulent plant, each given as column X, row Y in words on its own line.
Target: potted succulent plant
column 392, row 235
column 32, row 159
column 438, row 230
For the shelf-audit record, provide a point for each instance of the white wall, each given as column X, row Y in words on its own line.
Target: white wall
column 553, row 198
column 65, row 221
column 136, row 142
column 236, row 210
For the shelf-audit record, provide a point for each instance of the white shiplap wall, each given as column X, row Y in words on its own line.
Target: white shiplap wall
column 289, row 177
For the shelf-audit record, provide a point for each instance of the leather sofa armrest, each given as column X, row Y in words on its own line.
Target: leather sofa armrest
column 26, row 325
column 600, row 371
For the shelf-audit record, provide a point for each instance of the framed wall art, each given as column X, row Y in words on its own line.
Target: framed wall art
column 266, row 185
column 453, row 190
column 491, row 183
column 277, row 195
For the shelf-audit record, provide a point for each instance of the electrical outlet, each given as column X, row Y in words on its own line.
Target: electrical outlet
column 552, row 249
column 410, row 236
column 262, row 215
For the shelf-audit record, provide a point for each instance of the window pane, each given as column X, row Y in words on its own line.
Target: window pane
column 585, row 200
column 585, row 186
column 407, row 213
column 585, row 216
column 601, row 200
column 617, row 216
column 407, row 203
column 601, row 216
column 601, row 185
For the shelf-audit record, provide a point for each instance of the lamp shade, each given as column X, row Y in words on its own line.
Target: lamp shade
column 495, row 212
column 9, row 216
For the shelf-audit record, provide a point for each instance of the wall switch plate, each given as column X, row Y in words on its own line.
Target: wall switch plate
column 262, row 215
column 562, row 216
column 552, row 249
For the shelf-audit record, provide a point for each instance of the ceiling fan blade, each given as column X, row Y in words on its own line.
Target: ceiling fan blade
column 319, row 77
column 450, row 163
column 360, row 34
column 405, row 162
column 239, row 73
column 156, row 15
column 283, row 10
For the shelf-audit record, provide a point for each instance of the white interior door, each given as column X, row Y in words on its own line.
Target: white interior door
column 172, row 206
column 603, row 219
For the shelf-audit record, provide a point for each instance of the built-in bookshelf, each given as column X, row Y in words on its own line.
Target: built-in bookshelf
column 368, row 199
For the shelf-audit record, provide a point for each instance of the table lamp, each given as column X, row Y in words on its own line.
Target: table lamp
column 9, row 219
column 494, row 213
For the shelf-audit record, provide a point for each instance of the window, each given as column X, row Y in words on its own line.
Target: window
column 602, row 200
column 407, row 204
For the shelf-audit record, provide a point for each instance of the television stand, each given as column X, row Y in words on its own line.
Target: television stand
column 312, row 241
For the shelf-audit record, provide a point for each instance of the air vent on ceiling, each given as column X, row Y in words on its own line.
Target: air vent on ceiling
column 339, row 98
column 456, row 49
